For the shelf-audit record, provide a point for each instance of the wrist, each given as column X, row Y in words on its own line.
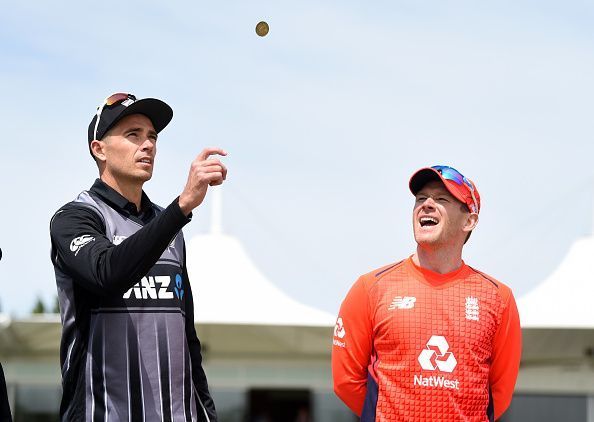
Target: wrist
column 184, row 206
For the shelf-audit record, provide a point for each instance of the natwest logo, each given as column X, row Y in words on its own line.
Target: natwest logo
column 339, row 333
column 339, row 330
column 434, row 381
column 436, row 355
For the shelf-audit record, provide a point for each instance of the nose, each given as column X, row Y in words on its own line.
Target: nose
column 429, row 203
column 148, row 145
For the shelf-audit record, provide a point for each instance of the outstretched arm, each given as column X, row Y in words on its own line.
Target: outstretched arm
column 81, row 248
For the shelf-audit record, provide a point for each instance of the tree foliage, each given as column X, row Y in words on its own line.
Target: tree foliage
column 39, row 307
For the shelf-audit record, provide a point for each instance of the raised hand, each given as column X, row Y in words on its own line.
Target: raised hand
column 204, row 172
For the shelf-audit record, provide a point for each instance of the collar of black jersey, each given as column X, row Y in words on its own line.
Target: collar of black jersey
column 118, row 201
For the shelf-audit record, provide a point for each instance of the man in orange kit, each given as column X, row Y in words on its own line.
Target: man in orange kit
column 429, row 338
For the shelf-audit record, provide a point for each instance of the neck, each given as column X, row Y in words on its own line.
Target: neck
column 131, row 191
column 439, row 260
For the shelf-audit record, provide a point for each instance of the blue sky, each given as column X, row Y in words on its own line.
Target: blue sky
column 324, row 120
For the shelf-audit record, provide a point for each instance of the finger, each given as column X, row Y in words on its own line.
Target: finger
column 211, row 162
column 216, row 183
column 210, row 169
column 207, row 152
column 213, row 177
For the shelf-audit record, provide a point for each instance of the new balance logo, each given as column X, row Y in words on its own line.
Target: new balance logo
column 78, row 242
column 150, row 287
column 436, row 355
column 402, row 302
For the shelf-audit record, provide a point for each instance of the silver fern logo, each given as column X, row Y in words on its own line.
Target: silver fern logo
column 80, row 241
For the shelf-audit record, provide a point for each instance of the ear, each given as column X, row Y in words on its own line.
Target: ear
column 471, row 222
column 98, row 150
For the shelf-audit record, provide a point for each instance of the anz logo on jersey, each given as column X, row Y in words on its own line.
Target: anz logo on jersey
column 157, row 287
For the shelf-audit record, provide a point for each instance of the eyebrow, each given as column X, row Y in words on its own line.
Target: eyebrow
column 137, row 129
column 425, row 193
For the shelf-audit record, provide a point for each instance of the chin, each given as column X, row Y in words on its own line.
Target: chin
column 144, row 177
column 425, row 241
column 427, row 238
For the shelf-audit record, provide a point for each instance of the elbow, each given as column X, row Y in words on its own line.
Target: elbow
column 501, row 400
column 338, row 390
column 500, row 407
column 106, row 287
column 349, row 396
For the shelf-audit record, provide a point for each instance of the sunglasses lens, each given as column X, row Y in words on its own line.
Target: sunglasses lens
column 450, row 173
column 109, row 101
column 116, row 98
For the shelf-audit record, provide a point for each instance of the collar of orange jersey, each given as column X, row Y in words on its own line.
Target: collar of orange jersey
column 438, row 278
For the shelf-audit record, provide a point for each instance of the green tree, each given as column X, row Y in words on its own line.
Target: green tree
column 39, row 307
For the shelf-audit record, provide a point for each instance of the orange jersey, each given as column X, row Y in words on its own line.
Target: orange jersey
column 414, row 345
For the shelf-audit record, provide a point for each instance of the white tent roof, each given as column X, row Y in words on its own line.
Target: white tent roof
column 228, row 288
column 564, row 299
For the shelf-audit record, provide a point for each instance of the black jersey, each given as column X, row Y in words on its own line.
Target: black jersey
column 5, row 415
column 129, row 349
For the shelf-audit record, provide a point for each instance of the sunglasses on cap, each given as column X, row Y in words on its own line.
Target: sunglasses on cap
column 116, row 98
column 450, row 173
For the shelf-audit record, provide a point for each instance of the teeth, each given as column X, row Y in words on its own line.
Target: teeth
column 425, row 220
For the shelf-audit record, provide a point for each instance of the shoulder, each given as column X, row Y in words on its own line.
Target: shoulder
column 386, row 270
column 501, row 288
column 371, row 278
column 75, row 212
column 84, row 201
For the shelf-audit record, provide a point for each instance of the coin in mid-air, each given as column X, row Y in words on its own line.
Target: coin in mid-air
column 262, row 29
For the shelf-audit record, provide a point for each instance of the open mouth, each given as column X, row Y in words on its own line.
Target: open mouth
column 146, row 161
column 428, row 221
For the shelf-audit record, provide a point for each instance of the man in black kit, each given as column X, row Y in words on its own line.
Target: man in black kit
column 5, row 415
column 129, row 349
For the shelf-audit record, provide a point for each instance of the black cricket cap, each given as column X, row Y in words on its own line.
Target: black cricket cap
column 122, row 105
